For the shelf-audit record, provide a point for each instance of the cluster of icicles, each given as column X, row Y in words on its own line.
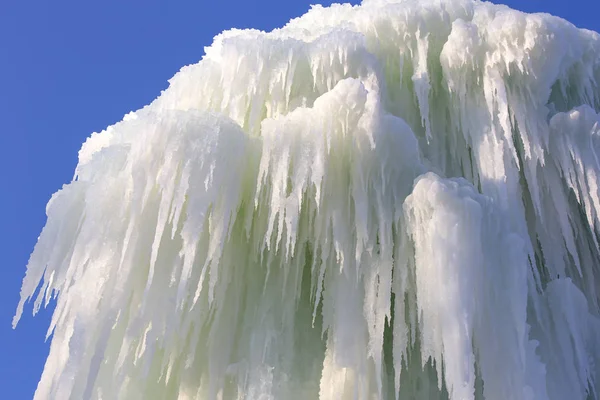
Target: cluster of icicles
column 397, row 200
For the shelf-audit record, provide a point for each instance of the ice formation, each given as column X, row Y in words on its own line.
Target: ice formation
column 397, row 200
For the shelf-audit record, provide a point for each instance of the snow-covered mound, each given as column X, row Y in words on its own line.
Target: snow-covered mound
column 393, row 200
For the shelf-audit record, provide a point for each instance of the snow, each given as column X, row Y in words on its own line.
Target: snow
column 393, row 200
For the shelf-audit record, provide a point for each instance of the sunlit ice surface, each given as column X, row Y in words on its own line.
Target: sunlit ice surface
column 397, row 200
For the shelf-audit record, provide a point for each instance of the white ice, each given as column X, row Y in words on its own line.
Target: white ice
column 395, row 200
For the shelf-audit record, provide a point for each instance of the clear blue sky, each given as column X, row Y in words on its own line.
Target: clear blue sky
column 69, row 68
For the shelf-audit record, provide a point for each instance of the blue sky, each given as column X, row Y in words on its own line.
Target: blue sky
column 69, row 68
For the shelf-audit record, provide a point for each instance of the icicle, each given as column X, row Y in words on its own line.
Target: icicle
column 396, row 200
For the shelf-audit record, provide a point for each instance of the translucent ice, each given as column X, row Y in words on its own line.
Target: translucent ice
column 395, row 200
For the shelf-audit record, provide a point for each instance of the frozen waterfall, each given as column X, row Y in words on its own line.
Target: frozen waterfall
column 397, row 200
